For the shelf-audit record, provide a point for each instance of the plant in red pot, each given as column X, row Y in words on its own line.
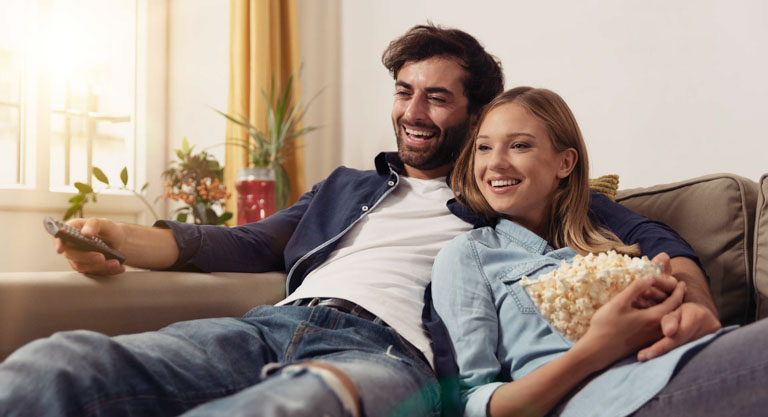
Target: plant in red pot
column 263, row 187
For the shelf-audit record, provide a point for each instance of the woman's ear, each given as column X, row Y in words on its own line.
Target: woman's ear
column 568, row 160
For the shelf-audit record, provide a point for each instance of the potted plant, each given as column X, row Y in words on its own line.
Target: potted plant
column 263, row 187
column 197, row 180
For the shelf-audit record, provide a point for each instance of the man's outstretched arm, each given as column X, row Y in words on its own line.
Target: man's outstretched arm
column 143, row 247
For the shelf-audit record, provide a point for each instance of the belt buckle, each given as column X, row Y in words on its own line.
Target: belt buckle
column 313, row 302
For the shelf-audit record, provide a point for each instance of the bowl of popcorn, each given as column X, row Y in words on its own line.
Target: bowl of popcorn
column 569, row 295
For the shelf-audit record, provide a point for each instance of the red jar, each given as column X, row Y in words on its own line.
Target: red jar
column 255, row 194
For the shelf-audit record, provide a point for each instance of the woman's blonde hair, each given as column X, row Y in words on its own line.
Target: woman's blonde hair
column 569, row 222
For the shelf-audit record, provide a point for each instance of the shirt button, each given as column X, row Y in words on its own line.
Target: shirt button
column 391, row 183
column 365, row 208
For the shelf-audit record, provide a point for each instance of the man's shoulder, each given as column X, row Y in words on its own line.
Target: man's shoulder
column 347, row 174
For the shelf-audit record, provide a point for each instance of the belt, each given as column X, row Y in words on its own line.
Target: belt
column 339, row 304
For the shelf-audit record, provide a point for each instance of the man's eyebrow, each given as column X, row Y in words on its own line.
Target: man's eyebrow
column 443, row 90
column 429, row 90
column 403, row 84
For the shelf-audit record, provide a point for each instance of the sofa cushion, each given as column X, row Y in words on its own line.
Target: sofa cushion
column 715, row 214
column 760, row 273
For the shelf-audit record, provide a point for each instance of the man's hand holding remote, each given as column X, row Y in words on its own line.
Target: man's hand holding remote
column 143, row 247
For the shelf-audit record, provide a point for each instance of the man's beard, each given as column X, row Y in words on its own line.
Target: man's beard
column 442, row 151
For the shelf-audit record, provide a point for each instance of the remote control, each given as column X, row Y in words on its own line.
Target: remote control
column 73, row 236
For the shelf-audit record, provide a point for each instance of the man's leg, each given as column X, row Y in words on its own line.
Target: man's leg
column 156, row 373
column 331, row 361
column 726, row 378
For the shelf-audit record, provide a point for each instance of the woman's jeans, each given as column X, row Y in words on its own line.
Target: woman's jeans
column 222, row 367
column 727, row 378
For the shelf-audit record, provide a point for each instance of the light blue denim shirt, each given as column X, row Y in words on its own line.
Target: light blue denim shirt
column 499, row 335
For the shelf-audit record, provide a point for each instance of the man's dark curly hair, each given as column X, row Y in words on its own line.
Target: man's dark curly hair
column 485, row 78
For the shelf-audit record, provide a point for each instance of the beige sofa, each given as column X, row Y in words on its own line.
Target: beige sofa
column 724, row 217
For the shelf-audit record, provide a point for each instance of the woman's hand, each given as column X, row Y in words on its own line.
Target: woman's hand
column 621, row 328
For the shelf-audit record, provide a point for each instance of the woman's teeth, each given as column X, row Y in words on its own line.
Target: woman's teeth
column 504, row 183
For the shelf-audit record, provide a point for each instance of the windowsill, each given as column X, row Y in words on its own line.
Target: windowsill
column 25, row 199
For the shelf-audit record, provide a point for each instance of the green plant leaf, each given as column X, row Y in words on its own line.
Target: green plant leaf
column 70, row 212
column 83, row 188
column 124, row 176
column 77, row 198
column 99, row 174
column 144, row 187
column 181, row 217
column 185, row 148
column 224, row 217
column 282, row 187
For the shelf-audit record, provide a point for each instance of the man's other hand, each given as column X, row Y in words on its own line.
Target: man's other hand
column 688, row 322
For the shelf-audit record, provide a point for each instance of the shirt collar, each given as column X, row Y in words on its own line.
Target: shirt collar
column 522, row 236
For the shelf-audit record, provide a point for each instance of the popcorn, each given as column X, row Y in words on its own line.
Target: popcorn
column 569, row 295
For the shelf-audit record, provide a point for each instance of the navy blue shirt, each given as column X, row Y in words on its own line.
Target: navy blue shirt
column 299, row 238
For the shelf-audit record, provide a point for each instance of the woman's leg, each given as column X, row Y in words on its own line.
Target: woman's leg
column 726, row 378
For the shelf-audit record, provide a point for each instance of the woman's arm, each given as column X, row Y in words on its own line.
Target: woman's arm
column 616, row 330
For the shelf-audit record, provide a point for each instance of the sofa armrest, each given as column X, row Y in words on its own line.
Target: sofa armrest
column 37, row 304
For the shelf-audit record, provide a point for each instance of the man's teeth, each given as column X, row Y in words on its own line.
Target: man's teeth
column 504, row 183
column 418, row 134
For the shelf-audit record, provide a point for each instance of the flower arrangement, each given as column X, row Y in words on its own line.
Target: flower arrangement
column 196, row 180
column 270, row 149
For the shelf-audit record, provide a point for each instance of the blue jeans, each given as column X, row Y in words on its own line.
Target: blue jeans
column 221, row 367
column 726, row 378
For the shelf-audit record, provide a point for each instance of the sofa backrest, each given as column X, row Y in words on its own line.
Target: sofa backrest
column 760, row 272
column 716, row 215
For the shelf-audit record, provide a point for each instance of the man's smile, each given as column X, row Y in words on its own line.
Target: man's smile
column 419, row 134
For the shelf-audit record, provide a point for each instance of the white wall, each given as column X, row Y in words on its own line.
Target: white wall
column 662, row 90
column 198, row 74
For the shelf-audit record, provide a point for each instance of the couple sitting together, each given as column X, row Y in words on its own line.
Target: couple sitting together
column 497, row 183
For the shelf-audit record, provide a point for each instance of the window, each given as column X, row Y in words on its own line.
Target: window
column 11, row 65
column 75, row 77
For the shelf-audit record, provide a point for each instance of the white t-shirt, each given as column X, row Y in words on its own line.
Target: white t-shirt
column 384, row 262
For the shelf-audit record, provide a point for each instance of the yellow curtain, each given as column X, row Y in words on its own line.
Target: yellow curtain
column 263, row 45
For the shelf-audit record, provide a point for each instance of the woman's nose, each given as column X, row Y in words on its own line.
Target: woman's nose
column 498, row 159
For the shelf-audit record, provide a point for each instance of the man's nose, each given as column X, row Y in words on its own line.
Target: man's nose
column 417, row 108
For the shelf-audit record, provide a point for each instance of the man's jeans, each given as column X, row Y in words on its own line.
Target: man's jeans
column 216, row 367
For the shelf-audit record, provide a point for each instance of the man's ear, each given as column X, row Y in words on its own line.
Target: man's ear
column 568, row 160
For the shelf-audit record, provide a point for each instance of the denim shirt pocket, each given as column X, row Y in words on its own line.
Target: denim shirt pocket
column 512, row 275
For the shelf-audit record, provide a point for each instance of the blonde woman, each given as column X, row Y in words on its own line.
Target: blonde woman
column 526, row 171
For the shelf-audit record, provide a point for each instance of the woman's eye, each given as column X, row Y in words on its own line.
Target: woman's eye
column 519, row 145
column 482, row 147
